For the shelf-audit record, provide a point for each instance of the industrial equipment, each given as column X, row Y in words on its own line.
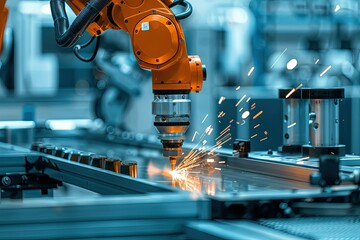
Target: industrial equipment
column 3, row 19
column 274, row 162
column 158, row 44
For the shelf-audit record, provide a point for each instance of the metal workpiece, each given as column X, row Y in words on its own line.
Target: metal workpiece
column 324, row 122
column 75, row 156
column 85, row 158
column 66, row 154
column 112, row 165
column 59, row 151
column 130, row 169
column 50, row 150
column 295, row 120
column 98, row 161
column 36, row 146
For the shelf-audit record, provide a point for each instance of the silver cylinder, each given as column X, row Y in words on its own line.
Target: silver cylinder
column 295, row 124
column 172, row 120
column 324, row 122
column 172, row 105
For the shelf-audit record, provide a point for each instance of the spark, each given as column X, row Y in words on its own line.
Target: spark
column 302, row 159
column 218, row 147
column 205, row 118
column 221, row 100
column 195, row 133
column 237, row 88
column 248, row 99
column 292, row 64
column 254, row 136
column 258, row 125
column 245, row 115
column 223, row 138
column 237, row 123
column 264, row 139
column 225, row 129
column 266, row 133
column 278, row 58
column 196, row 156
column 208, row 130
column 223, row 133
column 253, row 105
column 298, row 87
column 337, row 8
column 238, row 103
column 222, row 162
column 325, row 71
column 231, row 121
column 251, row 71
column 292, row 125
column 243, row 123
column 290, row 93
column 258, row 114
column 210, row 160
column 221, row 114
column 219, row 169
column 241, row 109
column 317, row 61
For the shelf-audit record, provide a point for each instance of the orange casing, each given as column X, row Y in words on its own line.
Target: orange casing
column 157, row 38
column 3, row 19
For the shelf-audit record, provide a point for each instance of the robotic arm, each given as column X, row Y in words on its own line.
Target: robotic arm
column 158, row 44
column 3, row 19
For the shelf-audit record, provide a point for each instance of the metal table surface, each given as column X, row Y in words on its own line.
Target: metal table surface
column 211, row 178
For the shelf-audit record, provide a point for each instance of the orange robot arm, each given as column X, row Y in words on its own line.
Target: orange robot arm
column 158, row 44
column 3, row 19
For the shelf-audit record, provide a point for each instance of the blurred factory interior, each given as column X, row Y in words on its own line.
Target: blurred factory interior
column 269, row 150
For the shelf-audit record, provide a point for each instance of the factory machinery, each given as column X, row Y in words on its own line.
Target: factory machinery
column 100, row 182
column 96, row 183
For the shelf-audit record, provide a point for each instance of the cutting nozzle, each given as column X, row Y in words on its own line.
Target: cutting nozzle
column 172, row 162
column 172, row 119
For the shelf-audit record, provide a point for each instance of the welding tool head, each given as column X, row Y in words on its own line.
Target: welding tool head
column 172, row 119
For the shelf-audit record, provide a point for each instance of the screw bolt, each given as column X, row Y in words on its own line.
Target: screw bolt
column 6, row 181
column 24, row 179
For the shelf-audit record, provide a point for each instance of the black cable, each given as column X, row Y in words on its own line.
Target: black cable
column 186, row 13
column 88, row 43
column 77, row 48
column 67, row 35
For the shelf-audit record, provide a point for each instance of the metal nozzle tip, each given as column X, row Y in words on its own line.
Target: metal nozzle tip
column 172, row 163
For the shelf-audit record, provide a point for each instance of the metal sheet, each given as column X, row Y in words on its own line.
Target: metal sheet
column 232, row 176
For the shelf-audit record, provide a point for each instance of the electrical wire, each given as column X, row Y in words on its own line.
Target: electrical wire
column 77, row 48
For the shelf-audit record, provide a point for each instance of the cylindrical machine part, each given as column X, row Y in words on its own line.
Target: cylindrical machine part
column 324, row 122
column 172, row 119
column 130, row 169
column 295, row 120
